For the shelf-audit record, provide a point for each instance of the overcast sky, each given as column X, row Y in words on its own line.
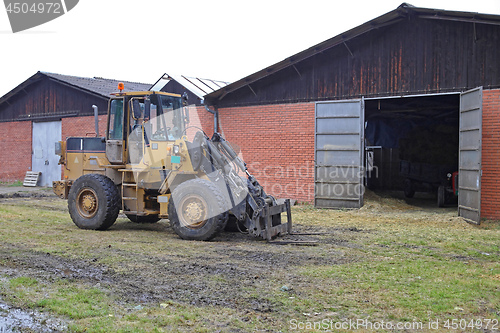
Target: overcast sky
column 222, row 40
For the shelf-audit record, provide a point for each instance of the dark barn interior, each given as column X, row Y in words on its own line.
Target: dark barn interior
column 420, row 130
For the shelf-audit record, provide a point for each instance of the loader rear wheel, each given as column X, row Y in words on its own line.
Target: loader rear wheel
column 94, row 202
column 143, row 219
column 197, row 210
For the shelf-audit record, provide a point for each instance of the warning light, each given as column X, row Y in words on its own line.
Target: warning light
column 121, row 86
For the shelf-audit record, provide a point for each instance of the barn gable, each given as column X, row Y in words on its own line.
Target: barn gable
column 48, row 96
column 195, row 87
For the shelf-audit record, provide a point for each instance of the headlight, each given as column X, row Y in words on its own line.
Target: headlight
column 176, row 150
column 449, row 175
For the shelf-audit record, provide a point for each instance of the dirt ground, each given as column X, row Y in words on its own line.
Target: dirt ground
column 242, row 260
column 147, row 264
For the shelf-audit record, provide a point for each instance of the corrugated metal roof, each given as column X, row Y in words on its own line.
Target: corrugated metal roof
column 199, row 87
column 400, row 13
column 98, row 85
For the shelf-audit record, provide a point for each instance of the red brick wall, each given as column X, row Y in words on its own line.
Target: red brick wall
column 15, row 146
column 81, row 126
column 490, row 186
column 277, row 143
column 199, row 118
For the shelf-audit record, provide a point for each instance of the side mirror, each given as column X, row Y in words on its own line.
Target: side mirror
column 185, row 99
column 136, row 109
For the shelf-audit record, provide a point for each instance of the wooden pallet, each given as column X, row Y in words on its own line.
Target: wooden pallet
column 31, row 178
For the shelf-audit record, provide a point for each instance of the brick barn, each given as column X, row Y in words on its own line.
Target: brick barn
column 304, row 123
column 44, row 109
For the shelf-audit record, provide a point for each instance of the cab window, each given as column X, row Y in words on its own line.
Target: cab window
column 116, row 120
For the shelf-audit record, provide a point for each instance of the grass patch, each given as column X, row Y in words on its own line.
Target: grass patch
column 16, row 183
column 411, row 289
column 77, row 303
column 23, row 281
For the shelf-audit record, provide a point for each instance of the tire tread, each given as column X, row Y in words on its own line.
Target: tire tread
column 112, row 197
column 221, row 218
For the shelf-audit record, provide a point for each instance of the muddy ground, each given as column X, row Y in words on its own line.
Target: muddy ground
column 147, row 265
column 242, row 261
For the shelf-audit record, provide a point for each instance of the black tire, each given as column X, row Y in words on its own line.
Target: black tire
column 197, row 210
column 441, row 196
column 143, row 219
column 409, row 189
column 94, row 202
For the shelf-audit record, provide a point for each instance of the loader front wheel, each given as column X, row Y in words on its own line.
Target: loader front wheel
column 93, row 202
column 197, row 210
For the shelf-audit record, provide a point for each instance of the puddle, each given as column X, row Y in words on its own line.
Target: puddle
column 17, row 320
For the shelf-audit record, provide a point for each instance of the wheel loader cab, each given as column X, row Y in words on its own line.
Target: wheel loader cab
column 141, row 121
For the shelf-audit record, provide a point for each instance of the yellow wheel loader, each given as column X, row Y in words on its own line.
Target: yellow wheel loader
column 149, row 169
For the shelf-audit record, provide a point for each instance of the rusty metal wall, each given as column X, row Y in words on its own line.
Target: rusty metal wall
column 413, row 56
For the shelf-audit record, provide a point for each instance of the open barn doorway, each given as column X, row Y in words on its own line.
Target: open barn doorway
column 412, row 148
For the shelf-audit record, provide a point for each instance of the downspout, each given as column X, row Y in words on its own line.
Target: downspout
column 96, row 119
column 216, row 118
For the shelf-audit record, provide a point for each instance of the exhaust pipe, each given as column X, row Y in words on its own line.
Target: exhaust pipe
column 96, row 119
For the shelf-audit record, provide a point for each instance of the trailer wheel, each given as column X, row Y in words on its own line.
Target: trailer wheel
column 197, row 210
column 94, row 202
column 409, row 189
column 143, row 219
column 441, row 196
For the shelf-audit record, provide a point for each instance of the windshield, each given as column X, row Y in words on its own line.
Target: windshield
column 166, row 119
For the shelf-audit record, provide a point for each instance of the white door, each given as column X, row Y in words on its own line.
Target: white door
column 44, row 158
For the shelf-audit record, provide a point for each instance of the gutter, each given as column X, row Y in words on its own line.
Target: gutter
column 216, row 118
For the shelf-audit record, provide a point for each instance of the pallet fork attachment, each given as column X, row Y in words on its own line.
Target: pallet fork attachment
column 266, row 229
